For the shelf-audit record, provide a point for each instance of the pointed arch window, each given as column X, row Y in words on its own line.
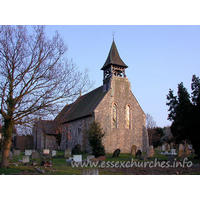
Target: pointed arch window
column 114, row 117
column 128, row 117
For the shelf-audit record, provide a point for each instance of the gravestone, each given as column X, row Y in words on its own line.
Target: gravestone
column 151, row 153
column 138, row 154
column 116, row 153
column 89, row 157
column 77, row 158
column 28, row 152
column 25, row 159
column 16, row 152
column 181, row 147
column 53, row 153
column 133, row 150
column 10, row 155
column 89, row 172
column 180, row 153
column 186, row 147
column 67, row 153
column 35, row 155
column 46, row 151
column 163, row 148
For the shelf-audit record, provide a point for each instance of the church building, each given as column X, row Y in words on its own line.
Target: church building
column 112, row 104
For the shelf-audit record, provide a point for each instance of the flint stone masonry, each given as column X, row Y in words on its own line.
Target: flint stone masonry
column 98, row 105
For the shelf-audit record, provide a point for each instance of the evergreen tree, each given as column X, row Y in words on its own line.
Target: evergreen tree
column 95, row 135
column 185, row 113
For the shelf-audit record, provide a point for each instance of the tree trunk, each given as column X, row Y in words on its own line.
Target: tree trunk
column 8, row 127
column 5, row 154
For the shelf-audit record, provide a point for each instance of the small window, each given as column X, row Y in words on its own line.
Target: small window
column 114, row 118
column 128, row 117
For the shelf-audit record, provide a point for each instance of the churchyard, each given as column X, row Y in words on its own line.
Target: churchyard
column 32, row 162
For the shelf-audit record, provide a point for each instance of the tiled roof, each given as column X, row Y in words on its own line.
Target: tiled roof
column 113, row 58
column 82, row 107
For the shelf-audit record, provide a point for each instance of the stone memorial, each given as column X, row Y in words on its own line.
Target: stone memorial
column 53, row 153
column 116, row 153
column 35, row 155
column 163, row 148
column 46, row 151
column 89, row 157
column 16, row 152
column 89, row 172
column 25, row 159
column 10, row 155
column 133, row 150
column 28, row 152
column 181, row 147
column 67, row 153
column 77, row 158
column 180, row 153
column 173, row 152
column 151, row 153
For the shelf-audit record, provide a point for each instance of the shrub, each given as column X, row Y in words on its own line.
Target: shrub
column 95, row 135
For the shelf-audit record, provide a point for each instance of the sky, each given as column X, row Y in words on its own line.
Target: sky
column 158, row 58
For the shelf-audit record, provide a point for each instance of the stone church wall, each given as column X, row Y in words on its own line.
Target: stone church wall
column 75, row 133
column 121, row 137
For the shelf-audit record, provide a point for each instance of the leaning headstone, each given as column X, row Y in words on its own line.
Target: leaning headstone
column 151, row 153
column 67, row 153
column 116, row 153
column 16, row 152
column 89, row 172
column 28, row 152
column 46, row 151
column 25, row 159
column 133, row 150
column 77, row 158
column 53, row 153
column 89, row 157
column 35, row 155
column 138, row 154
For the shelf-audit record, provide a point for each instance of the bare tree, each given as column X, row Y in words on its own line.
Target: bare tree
column 150, row 123
column 34, row 77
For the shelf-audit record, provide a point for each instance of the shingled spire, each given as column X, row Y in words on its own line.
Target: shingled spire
column 114, row 66
column 113, row 58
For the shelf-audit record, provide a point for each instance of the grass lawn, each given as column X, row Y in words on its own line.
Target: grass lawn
column 61, row 167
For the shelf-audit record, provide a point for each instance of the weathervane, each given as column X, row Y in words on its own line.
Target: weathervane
column 113, row 34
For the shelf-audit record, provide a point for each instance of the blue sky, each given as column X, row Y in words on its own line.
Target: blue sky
column 158, row 57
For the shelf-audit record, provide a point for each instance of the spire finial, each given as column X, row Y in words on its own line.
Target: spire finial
column 113, row 34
